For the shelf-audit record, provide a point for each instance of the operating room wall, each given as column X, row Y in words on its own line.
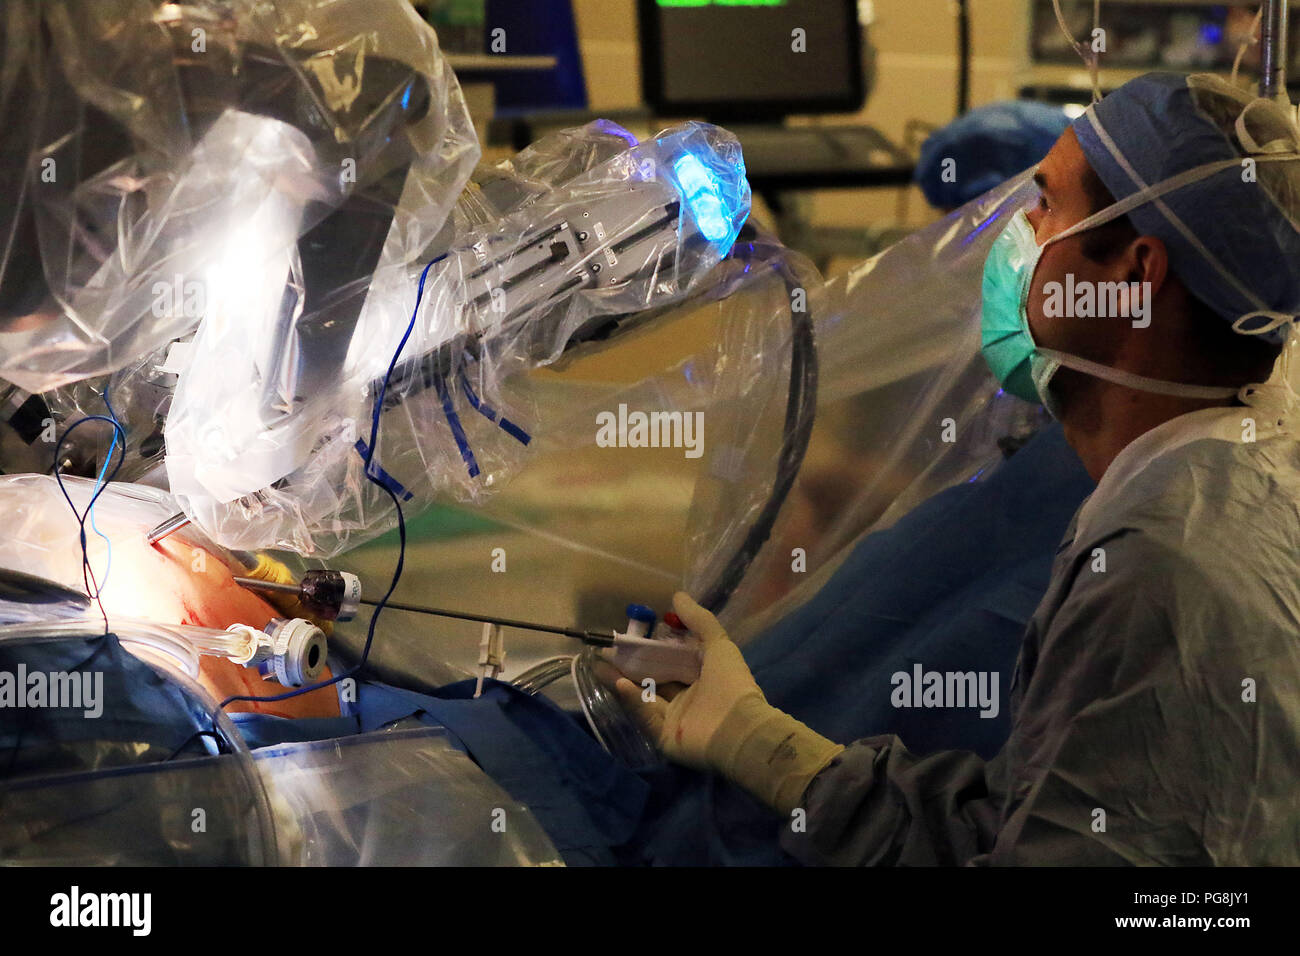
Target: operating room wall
column 916, row 41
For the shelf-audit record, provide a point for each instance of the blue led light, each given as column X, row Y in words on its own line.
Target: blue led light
column 701, row 192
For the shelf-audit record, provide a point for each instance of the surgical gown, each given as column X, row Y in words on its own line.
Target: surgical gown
column 1156, row 700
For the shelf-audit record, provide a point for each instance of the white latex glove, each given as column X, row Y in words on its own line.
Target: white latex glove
column 723, row 722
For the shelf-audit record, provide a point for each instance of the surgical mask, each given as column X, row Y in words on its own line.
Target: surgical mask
column 1022, row 367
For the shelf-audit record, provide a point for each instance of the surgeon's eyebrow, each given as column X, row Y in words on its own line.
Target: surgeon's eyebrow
column 1040, row 180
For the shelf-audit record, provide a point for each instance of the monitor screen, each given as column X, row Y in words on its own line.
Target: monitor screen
column 751, row 58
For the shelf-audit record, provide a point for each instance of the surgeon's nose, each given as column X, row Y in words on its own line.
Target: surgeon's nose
column 1035, row 217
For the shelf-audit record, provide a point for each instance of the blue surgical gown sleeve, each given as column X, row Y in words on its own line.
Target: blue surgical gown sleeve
column 1130, row 742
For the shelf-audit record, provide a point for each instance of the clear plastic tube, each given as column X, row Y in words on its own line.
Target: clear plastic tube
column 178, row 643
column 237, row 646
column 609, row 722
column 158, row 643
column 544, row 674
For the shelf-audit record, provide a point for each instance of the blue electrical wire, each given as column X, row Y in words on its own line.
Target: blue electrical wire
column 119, row 438
column 374, row 475
column 99, row 483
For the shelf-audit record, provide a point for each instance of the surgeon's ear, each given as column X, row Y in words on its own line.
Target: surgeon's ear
column 1147, row 260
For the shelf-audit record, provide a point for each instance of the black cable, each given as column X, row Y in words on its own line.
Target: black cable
column 800, row 414
column 214, row 734
column 963, row 57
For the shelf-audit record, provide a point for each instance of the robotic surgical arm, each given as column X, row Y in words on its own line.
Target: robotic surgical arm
column 266, row 451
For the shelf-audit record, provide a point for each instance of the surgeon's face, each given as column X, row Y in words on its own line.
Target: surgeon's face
column 1062, row 203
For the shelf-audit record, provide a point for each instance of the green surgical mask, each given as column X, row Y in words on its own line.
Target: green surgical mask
column 1005, row 339
column 1021, row 366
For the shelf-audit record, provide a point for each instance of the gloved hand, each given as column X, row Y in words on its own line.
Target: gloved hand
column 723, row 722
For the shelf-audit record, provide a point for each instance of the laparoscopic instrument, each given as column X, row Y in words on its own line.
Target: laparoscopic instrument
column 336, row 595
column 166, row 527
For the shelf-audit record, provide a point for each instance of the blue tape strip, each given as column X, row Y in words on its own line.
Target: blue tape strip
column 457, row 431
column 505, row 424
column 383, row 477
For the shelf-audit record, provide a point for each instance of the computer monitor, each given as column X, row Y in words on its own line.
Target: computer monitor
column 743, row 59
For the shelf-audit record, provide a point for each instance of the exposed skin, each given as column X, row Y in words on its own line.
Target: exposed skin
column 1100, row 418
column 212, row 598
column 174, row 582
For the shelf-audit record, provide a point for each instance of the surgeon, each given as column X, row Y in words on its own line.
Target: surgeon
column 1156, row 701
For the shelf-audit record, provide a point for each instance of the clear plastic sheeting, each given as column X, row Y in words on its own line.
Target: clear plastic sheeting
column 140, row 816
column 906, row 404
column 140, row 768
column 893, row 405
column 232, row 161
column 140, row 393
column 40, row 534
column 25, row 598
column 530, row 269
column 398, row 798
column 140, row 396
column 905, row 408
column 591, row 524
column 142, row 782
column 402, row 798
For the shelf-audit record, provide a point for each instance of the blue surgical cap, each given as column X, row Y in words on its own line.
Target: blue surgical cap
column 1233, row 242
column 988, row 145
